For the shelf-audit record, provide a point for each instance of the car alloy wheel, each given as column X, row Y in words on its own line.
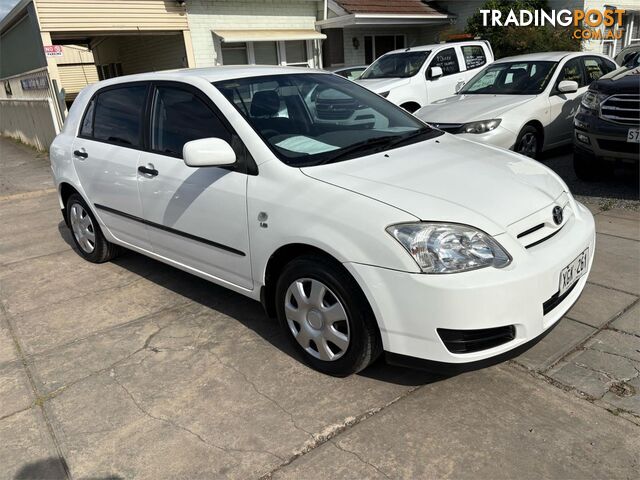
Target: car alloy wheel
column 528, row 145
column 83, row 229
column 317, row 319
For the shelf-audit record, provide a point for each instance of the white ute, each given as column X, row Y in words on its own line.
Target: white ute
column 416, row 76
column 361, row 238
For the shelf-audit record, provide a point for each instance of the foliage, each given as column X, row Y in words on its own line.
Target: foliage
column 513, row 40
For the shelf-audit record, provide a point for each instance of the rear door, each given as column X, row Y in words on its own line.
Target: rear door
column 452, row 74
column 195, row 216
column 474, row 58
column 105, row 156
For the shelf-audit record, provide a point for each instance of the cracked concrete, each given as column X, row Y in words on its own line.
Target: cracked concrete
column 133, row 369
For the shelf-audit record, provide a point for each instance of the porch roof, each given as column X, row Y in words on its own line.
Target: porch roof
column 383, row 12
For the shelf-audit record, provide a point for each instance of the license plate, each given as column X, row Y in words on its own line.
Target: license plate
column 633, row 135
column 572, row 272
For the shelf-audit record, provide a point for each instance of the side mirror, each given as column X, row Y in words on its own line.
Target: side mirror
column 568, row 86
column 208, row 152
column 435, row 72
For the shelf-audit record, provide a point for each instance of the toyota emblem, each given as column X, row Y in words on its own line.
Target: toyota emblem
column 557, row 215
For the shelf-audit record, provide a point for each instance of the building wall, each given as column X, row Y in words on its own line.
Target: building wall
column 141, row 53
column 414, row 36
column 21, row 48
column 207, row 15
column 110, row 15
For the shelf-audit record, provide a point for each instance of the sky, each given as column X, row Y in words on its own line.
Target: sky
column 6, row 6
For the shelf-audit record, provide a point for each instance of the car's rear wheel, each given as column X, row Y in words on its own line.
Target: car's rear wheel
column 529, row 142
column 326, row 316
column 589, row 167
column 86, row 232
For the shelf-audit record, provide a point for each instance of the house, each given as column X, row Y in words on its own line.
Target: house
column 247, row 32
column 359, row 31
column 630, row 31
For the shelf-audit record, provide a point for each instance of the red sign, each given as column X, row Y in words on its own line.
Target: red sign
column 53, row 50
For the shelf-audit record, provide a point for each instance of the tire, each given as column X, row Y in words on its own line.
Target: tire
column 589, row 167
column 314, row 319
column 529, row 142
column 86, row 233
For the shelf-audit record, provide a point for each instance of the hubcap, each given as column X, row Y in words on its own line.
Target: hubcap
column 528, row 145
column 317, row 319
column 82, row 227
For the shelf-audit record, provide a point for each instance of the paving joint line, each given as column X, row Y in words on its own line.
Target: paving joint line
column 612, row 288
column 38, row 399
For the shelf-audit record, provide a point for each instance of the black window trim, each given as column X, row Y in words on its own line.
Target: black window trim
column 245, row 162
column 464, row 60
column 94, row 98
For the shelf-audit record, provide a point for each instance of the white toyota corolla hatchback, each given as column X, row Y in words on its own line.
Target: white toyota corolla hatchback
column 361, row 228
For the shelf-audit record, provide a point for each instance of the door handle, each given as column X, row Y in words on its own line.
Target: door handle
column 148, row 171
column 80, row 153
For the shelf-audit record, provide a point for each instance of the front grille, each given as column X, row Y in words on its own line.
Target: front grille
column 468, row 341
column 556, row 300
column 447, row 127
column 619, row 146
column 335, row 109
column 621, row 108
column 530, row 230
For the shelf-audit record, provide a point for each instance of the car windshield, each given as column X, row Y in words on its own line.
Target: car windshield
column 394, row 65
column 512, row 78
column 312, row 118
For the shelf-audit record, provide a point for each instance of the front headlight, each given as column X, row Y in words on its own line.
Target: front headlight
column 449, row 248
column 482, row 126
column 593, row 99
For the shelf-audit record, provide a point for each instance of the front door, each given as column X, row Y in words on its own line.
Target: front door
column 195, row 216
column 444, row 86
column 563, row 106
column 105, row 156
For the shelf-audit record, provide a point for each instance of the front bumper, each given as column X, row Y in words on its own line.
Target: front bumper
column 603, row 139
column 411, row 307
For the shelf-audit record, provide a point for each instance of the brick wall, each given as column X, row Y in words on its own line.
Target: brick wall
column 207, row 15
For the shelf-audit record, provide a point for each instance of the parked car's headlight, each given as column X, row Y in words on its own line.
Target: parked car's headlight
column 449, row 248
column 384, row 94
column 592, row 99
column 482, row 126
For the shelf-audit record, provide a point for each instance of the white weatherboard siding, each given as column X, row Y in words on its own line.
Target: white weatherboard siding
column 207, row 15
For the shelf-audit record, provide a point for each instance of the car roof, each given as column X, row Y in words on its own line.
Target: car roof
column 545, row 56
column 212, row 74
column 433, row 46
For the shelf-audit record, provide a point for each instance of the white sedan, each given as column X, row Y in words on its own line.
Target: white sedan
column 524, row 103
column 360, row 237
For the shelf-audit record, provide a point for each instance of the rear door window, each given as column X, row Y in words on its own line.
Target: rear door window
column 474, row 56
column 593, row 68
column 447, row 60
column 118, row 115
column 179, row 116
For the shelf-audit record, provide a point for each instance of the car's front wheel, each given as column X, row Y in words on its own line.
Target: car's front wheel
column 326, row 316
column 86, row 232
column 529, row 142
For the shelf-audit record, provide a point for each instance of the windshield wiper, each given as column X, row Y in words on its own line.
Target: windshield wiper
column 356, row 147
column 405, row 138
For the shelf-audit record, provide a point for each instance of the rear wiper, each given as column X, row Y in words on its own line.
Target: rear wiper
column 356, row 147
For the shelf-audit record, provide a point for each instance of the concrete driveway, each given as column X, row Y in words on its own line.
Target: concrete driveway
column 132, row 369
